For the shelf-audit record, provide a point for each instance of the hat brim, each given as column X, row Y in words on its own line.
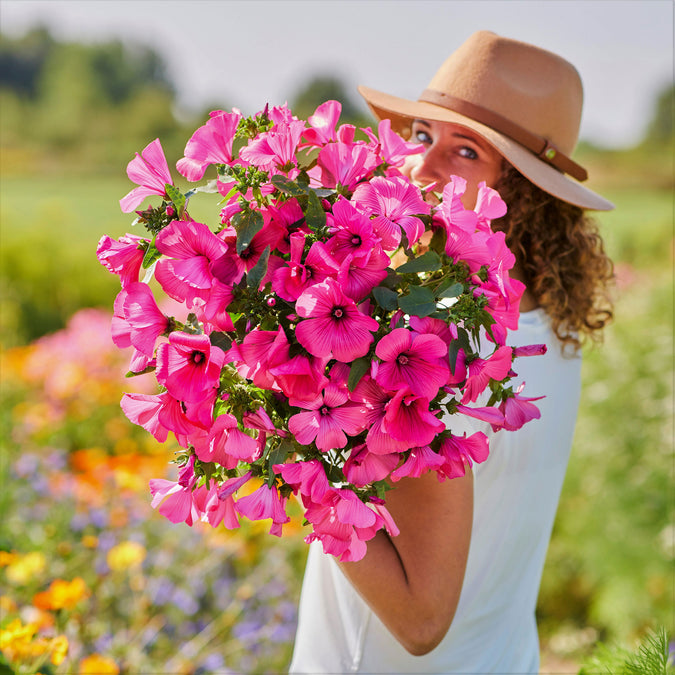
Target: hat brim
column 401, row 112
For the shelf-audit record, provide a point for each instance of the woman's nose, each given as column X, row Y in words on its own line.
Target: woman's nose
column 427, row 170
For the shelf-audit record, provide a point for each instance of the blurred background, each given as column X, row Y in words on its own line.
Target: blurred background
column 84, row 559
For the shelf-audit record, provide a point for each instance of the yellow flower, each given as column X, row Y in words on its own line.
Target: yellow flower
column 89, row 541
column 98, row 665
column 25, row 567
column 7, row 558
column 59, row 649
column 61, row 594
column 125, row 555
column 7, row 605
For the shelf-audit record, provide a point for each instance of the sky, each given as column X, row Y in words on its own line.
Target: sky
column 245, row 53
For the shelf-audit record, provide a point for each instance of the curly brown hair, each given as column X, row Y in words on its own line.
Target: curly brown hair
column 562, row 256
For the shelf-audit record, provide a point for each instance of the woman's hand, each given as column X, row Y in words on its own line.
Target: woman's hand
column 413, row 581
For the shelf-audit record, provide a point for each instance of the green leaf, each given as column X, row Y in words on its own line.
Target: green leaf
column 220, row 340
column 288, row 187
column 427, row 262
column 257, row 272
column 176, row 196
column 278, row 456
column 420, row 302
column 462, row 342
column 487, row 321
column 247, row 224
column 385, row 297
column 449, row 290
column 357, row 371
column 315, row 215
column 151, row 255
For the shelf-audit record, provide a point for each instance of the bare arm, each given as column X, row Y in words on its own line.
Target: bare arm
column 413, row 581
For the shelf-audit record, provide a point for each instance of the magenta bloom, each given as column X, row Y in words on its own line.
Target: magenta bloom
column 175, row 499
column 150, row 172
column 275, row 148
column 262, row 504
column 192, row 249
column 358, row 275
column 225, row 443
column 145, row 319
column 393, row 148
column 452, row 207
column 462, row 451
column 291, row 280
column 343, row 164
column 352, row 232
column 333, row 324
column 213, row 509
column 376, row 401
column 365, row 467
column 395, row 204
column 188, row 365
column 307, row 477
column 496, row 367
column 408, row 419
column 418, row 362
column 123, row 257
column 301, row 378
column 419, row 462
column 262, row 350
column 210, row 144
column 330, row 416
column 518, row 410
column 322, row 124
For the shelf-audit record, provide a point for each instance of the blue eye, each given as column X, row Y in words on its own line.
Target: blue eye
column 468, row 153
column 422, row 137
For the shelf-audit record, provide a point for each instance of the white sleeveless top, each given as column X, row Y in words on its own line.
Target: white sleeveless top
column 516, row 493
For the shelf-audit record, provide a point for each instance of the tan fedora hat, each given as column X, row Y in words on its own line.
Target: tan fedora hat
column 524, row 101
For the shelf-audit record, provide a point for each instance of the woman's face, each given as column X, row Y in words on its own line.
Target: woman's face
column 453, row 150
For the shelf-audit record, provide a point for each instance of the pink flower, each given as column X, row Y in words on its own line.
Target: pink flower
column 352, row 232
column 333, row 325
column 150, row 172
column 143, row 409
column 307, row 477
column 462, row 451
column 275, row 148
column 408, row 419
column 331, row 415
column 210, row 144
column 290, row 281
column 518, row 410
column 530, row 350
column 343, row 164
column 393, row 148
column 301, row 377
column 489, row 205
column 376, row 401
column 496, row 367
column 145, row 320
column 359, row 275
column 262, row 350
column 417, row 362
column 262, row 504
column 123, row 257
column 322, row 124
column 484, row 413
column 188, row 365
column 175, row 499
column 453, row 209
column 213, row 509
column 193, row 250
column 225, row 443
column 363, row 467
column 395, row 204
column 420, row 460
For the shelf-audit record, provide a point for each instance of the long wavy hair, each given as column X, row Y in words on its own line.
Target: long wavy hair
column 560, row 252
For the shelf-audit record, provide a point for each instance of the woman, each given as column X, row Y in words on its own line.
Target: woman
column 456, row 590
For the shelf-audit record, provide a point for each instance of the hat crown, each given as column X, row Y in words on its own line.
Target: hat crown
column 532, row 87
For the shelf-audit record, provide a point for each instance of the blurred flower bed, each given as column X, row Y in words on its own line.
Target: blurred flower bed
column 93, row 580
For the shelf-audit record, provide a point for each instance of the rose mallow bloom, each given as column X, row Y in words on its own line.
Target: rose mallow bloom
column 188, row 365
column 333, row 324
column 150, row 172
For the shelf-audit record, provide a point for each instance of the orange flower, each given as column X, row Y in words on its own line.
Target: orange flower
column 61, row 594
column 98, row 665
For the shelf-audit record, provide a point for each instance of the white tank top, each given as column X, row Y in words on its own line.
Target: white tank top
column 516, row 493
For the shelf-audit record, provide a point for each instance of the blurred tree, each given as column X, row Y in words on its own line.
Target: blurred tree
column 22, row 60
column 661, row 128
column 323, row 88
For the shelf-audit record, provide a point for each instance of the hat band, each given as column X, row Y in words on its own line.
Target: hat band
column 540, row 146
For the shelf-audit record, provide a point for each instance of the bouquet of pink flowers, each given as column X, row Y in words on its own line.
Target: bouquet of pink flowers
column 306, row 363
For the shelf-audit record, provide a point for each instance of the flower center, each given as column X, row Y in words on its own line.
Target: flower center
column 356, row 240
column 338, row 312
column 402, row 359
column 197, row 357
column 324, row 410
